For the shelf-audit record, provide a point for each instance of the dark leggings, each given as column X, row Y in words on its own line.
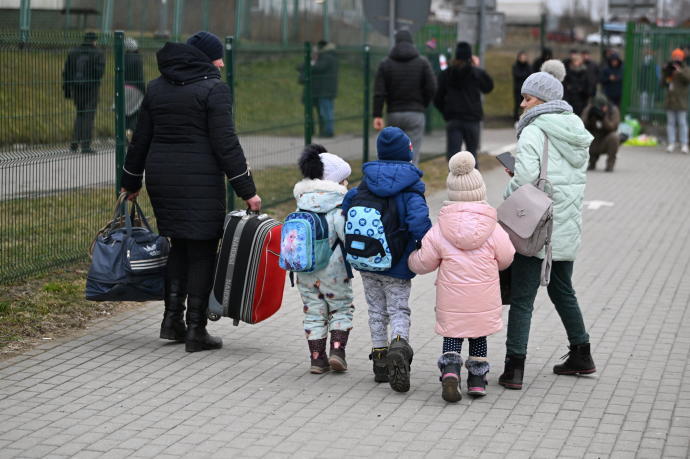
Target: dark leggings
column 477, row 346
column 192, row 263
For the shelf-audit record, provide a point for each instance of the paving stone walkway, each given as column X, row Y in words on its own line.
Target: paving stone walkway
column 118, row 391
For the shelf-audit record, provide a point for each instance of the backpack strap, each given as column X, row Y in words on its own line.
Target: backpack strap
column 348, row 268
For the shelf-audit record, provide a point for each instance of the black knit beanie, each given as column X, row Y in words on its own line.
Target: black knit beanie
column 208, row 43
column 463, row 52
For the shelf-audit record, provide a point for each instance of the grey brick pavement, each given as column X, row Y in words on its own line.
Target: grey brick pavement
column 118, row 391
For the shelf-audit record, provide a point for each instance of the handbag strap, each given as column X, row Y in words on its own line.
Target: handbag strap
column 544, row 169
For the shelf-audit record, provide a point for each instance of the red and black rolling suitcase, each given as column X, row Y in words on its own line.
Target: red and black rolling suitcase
column 248, row 284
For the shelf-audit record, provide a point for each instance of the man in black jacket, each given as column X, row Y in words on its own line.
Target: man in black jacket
column 577, row 83
column 521, row 70
column 185, row 141
column 406, row 84
column 459, row 99
column 81, row 80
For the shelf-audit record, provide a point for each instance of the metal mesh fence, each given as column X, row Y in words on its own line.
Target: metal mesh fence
column 57, row 174
column 648, row 53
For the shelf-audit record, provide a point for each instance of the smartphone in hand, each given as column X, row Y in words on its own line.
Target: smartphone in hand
column 507, row 160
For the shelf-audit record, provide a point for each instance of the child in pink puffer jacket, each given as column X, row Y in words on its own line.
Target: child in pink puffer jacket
column 469, row 247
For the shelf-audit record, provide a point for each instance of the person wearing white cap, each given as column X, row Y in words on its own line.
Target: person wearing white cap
column 547, row 115
column 327, row 293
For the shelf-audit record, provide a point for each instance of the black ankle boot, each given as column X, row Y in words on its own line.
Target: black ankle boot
column 398, row 365
column 578, row 361
column 379, row 356
column 513, row 372
column 197, row 338
column 336, row 358
column 477, row 368
column 319, row 359
column 173, row 327
column 450, row 364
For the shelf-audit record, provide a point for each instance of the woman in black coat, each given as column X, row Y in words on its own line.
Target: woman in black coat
column 185, row 141
column 521, row 70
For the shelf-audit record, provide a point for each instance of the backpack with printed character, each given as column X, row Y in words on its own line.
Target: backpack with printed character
column 304, row 242
column 375, row 240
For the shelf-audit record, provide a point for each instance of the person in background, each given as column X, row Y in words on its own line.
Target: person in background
column 648, row 83
column 521, row 70
column 546, row 54
column 459, row 99
column 571, row 54
column 82, row 75
column 612, row 79
column 576, row 84
column 324, row 86
column 134, row 77
column 185, row 143
column 405, row 83
column 601, row 119
column 592, row 71
column 676, row 79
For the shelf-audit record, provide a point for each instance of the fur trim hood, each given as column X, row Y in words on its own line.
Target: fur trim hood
column 318, row 195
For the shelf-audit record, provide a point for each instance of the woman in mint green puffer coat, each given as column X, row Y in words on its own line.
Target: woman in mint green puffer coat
column 546, row 114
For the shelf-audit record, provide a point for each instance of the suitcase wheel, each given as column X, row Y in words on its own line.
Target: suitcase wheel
column 213, row 316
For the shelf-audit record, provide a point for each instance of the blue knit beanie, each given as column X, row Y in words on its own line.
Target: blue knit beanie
column 208, row 43
column 394, row 145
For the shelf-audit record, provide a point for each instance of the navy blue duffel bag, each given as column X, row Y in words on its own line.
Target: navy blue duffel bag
column 127, row 258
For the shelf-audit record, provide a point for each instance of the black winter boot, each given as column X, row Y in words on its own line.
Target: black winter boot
column 450, row 364
column 513, row 372
column 319, row 359
column 398, row 365
column 578, row 361
column 197, row 338
column 379, row 356
column 173, row 327
column 477, row 368
column 337, row 356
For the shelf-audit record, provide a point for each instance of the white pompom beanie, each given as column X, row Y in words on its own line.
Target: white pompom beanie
column 546, row 84
column 464, row 182
column 335, row 168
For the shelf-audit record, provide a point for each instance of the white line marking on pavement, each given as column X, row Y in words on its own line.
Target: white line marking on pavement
column 596, row 205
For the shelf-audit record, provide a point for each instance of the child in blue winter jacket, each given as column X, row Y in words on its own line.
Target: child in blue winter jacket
column 388, row 292
column 327, row 293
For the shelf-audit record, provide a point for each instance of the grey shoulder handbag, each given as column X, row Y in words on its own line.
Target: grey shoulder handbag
column 527, row 217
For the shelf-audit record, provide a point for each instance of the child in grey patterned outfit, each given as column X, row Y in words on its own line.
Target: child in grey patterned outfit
column 388, row 292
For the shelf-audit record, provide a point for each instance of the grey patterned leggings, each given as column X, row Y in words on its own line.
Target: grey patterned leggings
column 387, row 298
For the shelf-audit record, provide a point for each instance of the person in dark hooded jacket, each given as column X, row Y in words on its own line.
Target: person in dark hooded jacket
column 405, row 83
column 521, row 70
column 459, row 99
column 576, row 85
column 185, row 141
column 611, row 78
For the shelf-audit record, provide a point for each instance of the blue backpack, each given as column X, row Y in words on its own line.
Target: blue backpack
column 375, row 240
column 304, row 242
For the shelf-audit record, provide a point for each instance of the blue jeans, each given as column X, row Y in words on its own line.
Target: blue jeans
column 326, row 117
column 680, row 118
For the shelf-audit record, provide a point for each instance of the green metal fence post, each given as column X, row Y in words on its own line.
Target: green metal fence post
column 68, row 15
column 284, row 23
column 177, row 19
column 24, row 20
column 106, row 18
column 308, row 115
column 628, row 67
column 205, row 21
column 366, row 115
column 230, row 78
column 326, row 23
column 542, row 32
column 239, row 17
column 120, row 136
